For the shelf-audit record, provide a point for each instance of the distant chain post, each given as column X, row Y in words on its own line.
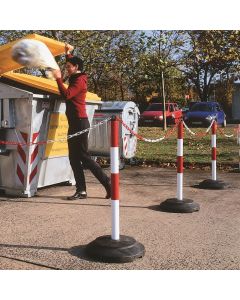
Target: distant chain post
column 180, row 162
column 214, row 151
column 164, row 104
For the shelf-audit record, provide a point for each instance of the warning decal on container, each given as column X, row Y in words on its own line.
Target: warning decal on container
column 58, row 128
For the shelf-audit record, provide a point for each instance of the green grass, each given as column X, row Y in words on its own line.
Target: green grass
column 197, row 151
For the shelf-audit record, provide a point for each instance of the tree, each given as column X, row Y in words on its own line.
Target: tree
column 161, row 55
column 207, row 54
column 159, row 60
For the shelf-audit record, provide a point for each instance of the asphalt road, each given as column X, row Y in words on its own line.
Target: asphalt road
column 49, row 232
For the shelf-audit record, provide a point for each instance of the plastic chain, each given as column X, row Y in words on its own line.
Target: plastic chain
column 199, row 134
column 226, row 135
column 145, row 139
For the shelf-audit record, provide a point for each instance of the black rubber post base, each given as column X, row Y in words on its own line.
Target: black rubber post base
column 179, row 206
column 104, row 249
column 212, row 184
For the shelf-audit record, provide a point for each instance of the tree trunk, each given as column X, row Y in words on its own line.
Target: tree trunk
column 205, row 93
column 95, row 84
column 122, row 91
column 198, row 89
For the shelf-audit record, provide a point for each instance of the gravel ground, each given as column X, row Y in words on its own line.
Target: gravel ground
column 46, row 231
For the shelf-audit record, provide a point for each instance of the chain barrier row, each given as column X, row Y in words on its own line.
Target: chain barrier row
column 53, row 141
column 139, row 137
column 201, row 134
column 170, row 132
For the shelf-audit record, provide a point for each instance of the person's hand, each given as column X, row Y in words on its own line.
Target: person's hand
column 56, row 74
column 68, row 48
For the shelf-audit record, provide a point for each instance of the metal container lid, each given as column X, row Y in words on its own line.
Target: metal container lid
column 44, row 84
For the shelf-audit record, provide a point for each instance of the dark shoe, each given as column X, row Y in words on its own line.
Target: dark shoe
column 108, row 190
column 78, row 195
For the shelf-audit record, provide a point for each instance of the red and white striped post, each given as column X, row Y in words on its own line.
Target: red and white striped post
column 214, row 150
column 180, row 162
column 179, row 204
column 213, row 183
column 114, row 158
column 115, row 248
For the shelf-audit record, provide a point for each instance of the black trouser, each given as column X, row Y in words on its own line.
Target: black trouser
column 79, row 156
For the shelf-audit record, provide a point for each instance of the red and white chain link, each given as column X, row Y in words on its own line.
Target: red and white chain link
column 201, row 134
column 198, row 133
column 148, row 140
column 224, row 134
column 227, row 135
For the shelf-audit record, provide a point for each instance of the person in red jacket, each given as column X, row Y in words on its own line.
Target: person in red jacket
column 75, row 96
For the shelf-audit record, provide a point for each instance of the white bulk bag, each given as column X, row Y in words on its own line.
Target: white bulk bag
column 34, row 54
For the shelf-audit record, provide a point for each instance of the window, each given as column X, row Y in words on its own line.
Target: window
column 202, row 107
column 155, row 107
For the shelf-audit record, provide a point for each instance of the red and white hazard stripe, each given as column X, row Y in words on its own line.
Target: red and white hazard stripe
column 21, row 168
column 34, row 158
column 27, row 167
column 180, row 162
column 114, row 156
column 125, row 146
column 214, row 150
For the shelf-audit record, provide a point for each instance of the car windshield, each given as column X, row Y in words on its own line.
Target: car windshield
column 155, row 107
column 202, row 107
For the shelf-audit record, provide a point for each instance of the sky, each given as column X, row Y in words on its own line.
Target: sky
column 124, row 14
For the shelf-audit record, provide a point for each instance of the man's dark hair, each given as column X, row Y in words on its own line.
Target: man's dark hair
column 76, row 61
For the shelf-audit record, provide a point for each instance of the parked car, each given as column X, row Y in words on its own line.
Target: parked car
column 202, row 114
column 153, row 115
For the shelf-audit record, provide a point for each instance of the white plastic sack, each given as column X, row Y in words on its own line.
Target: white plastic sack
column 34, row 54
